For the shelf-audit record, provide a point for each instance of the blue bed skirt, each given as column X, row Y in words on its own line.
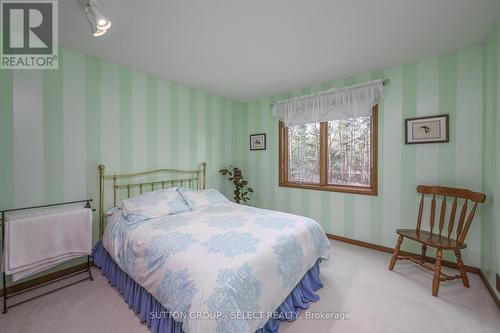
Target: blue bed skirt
column 156, row 316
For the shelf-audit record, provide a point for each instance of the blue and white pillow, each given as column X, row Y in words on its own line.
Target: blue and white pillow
column 153, row 204
column 201, row 198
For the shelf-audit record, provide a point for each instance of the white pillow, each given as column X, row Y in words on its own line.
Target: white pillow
column 196, row 199
column 153, row 204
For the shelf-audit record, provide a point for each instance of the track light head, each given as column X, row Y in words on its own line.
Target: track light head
column 99, row 24
column 96, row 32
column 102, row 21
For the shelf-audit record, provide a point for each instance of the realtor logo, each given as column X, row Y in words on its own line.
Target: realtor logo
column 29, row 35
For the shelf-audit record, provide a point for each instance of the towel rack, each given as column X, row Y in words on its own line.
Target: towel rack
column 4, row 280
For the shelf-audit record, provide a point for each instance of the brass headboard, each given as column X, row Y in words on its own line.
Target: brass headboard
column 195, row 179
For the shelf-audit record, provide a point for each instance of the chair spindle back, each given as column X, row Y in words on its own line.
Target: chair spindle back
column 465, row 219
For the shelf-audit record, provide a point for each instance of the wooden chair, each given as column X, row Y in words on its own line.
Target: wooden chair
column 439, row 241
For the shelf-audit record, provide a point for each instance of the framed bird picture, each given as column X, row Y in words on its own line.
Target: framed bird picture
column 427, row 129
column 258, row 141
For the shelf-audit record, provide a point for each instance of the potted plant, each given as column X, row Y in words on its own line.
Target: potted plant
column 241, row 189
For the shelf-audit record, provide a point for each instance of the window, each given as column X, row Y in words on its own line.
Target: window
column 339, row 156
column 303, row 153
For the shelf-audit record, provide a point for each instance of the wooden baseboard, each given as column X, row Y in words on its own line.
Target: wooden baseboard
column 498, row 283
column 386, row 249
column 360, row 243
column 376, row 247
column 44, row 279
column 490, row 288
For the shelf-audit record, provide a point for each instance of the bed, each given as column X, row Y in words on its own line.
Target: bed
column 214, row 267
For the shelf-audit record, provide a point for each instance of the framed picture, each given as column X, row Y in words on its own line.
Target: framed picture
column 427, row 129
column 258, row 141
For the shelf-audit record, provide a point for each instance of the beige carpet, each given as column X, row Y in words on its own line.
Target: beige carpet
column 356, row 282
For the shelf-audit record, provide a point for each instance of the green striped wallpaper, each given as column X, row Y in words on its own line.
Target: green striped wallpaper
column 89, row 111
column 56, row 126
column 490, row 260
column 451, row 83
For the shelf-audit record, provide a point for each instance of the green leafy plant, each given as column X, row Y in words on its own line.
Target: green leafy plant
column 241, row 189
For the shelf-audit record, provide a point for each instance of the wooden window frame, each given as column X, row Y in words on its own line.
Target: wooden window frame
column 323, row 183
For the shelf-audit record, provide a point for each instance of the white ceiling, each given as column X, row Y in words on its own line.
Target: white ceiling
column 244, row 49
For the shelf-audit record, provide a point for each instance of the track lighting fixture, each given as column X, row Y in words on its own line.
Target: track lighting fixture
column 99, row 24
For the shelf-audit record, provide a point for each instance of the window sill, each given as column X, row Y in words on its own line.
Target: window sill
column 333, row 188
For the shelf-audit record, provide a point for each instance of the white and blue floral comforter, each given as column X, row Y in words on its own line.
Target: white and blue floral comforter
column 220, row 268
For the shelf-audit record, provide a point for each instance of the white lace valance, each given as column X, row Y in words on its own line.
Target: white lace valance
column 335, row 104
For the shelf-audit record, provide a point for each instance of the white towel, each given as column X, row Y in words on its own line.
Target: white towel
column 38, row 242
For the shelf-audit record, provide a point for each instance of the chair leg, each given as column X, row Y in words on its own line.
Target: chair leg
column 396, row 252
column 461, row 267
column 437, row 273
column 423, row 256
